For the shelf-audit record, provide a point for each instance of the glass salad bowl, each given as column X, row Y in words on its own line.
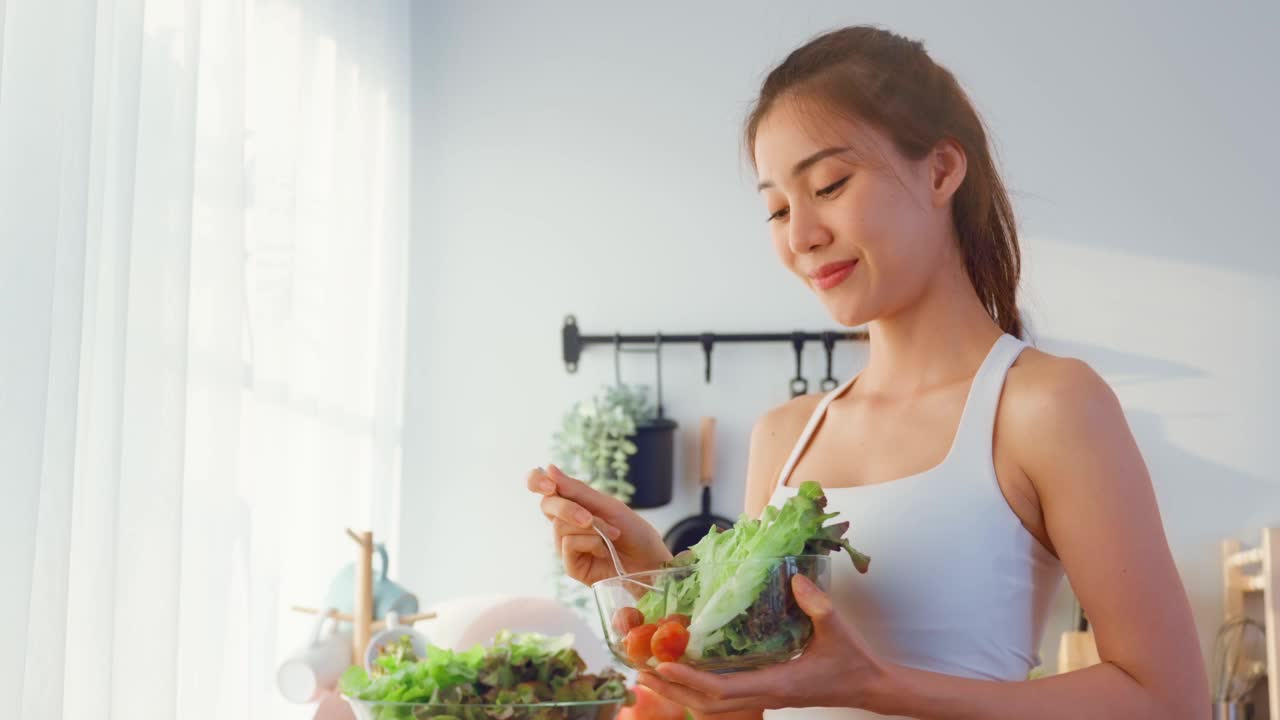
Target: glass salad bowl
column 720, row 617
column 587, row 710
column 520, row 676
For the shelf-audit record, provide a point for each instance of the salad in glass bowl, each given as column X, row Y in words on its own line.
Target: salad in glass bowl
column 523, row 676
column 726, row 604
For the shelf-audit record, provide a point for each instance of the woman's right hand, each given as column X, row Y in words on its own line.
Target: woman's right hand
column 570, row 505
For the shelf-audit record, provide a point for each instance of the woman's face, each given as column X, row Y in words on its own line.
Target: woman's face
column 864, row 227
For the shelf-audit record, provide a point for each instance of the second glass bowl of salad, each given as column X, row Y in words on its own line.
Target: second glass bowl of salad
column 720, row 617
column 584, row 710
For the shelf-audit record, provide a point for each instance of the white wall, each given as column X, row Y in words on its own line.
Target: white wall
column 576, row 158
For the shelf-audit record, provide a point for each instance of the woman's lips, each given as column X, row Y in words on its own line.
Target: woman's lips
column 829, row 276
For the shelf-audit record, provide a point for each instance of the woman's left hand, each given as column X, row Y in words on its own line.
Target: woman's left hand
column 836, row 670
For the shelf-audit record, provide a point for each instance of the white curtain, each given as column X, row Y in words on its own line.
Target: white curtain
column 203, row 223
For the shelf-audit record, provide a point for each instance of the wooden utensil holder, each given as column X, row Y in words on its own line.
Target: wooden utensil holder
column 362, row 622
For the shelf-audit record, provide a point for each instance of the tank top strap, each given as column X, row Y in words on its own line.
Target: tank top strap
column 978, row 422
column 807, row 434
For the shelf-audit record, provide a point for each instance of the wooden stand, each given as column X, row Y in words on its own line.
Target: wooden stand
column 362, row 622
column 1247, row 573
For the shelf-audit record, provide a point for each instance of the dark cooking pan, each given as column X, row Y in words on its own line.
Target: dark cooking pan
column 690, row 530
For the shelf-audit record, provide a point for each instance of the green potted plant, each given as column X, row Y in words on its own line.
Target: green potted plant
column 616, row 443
column 596, row 438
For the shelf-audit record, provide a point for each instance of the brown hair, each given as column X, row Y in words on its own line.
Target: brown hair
column 891, row 83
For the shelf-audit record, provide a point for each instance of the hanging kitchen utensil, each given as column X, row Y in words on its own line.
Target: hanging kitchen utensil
column 617, row 359
column 707, row 340
column 689, row 531
column 653, row 464
column 1240, row 660
column 829, row 383
column 799, row 386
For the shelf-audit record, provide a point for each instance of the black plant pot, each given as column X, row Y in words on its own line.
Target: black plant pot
column 653, row 465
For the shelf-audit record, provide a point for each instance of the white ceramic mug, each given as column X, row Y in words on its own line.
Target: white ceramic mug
column 316, row 667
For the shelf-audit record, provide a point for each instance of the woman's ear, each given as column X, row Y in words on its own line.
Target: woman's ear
column 947, row 166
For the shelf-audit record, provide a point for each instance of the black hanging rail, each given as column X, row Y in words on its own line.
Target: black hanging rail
column 573, row 342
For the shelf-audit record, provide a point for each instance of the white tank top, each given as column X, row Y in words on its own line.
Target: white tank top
column 957, row 585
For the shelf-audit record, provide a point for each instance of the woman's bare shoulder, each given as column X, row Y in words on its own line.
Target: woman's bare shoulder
column 1053, row 404
column 774, row 435
column 784, row 423
column 1041, row 386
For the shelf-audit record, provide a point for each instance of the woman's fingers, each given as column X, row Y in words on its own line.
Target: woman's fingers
column 582, row 545
column 583, row 502
column 539, row 482
column 569, row 517
column 689, row 697
column 562, row 528
column 594, row 501
column 573, row 525
column 566, row 511
column 580, row 555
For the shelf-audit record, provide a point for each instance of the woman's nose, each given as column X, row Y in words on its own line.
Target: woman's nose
column 807, row 233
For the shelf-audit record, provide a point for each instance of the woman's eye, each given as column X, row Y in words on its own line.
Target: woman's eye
column 826, row 191
column 778, row 215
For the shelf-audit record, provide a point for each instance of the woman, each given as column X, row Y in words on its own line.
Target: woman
column 974, row 469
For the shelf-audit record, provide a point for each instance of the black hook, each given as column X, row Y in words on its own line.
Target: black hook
column 570, row 343
column 799, row 386
column 708, row 340
column 829, row 383
column 657, row 360
column 617, row 359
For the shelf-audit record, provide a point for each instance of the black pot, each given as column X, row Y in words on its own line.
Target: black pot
column 653, row 465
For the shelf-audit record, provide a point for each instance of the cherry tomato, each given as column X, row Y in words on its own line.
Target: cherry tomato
column 638, row 643
column 669, row 641
column 626, row 618
column 676, row 617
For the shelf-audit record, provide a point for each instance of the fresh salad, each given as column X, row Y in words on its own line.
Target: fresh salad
column 518, row 670
column 726, row 604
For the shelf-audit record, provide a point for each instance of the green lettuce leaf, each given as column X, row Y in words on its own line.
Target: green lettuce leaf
column 729, row 569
